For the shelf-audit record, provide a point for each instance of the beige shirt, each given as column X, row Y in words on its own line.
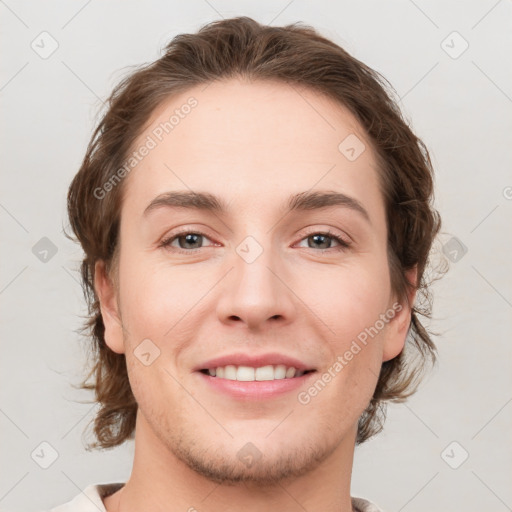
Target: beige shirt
column 90, row 500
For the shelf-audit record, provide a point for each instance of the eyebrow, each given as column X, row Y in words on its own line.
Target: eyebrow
column 298, row 202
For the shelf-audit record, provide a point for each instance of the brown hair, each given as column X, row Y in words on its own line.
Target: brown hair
column 295, row 54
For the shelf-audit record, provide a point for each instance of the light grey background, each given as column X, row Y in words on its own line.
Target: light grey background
column 461, row 107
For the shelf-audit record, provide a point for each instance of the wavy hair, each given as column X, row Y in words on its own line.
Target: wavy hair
column 293, row 54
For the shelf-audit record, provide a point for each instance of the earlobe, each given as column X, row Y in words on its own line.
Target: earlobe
column 398, row 326
column 106, row 292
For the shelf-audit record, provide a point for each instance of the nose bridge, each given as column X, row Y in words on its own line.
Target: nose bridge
column 253, row 291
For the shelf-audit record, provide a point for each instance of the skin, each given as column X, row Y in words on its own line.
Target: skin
column 253, row 144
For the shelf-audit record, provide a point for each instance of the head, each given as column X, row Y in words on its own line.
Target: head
column 310, row 234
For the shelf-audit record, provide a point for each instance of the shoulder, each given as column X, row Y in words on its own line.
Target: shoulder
column 362, row 505
column 90, row 499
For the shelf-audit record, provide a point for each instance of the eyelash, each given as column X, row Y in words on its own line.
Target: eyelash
column 166, row 242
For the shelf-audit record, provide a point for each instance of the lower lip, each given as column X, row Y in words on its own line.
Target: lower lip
column 255, row 390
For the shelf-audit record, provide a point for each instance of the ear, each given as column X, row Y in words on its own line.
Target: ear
column 107, row 295
column 398, row 326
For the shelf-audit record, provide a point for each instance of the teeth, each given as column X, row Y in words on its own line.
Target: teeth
column 230, row 372
column 245, row 373
column 265, row 373
column 280, row 371
column 249, row 374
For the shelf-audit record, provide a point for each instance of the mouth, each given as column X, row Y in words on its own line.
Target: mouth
column 243, row 376
column 252, row 374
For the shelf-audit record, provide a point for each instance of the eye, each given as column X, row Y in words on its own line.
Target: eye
column 187, row 241
column 323, row 241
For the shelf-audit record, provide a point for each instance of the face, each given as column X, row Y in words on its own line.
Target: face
column 215, row 306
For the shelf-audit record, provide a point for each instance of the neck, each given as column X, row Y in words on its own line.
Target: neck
column 161, row 482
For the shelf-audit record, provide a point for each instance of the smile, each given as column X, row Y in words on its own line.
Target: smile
column 249, row 373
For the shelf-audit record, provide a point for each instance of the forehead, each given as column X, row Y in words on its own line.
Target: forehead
column 260, row 140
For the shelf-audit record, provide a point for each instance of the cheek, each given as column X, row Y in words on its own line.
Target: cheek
column 353, row 298
column 356, row 311
column 156, row 297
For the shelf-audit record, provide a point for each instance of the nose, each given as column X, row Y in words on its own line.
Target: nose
column 257, row 293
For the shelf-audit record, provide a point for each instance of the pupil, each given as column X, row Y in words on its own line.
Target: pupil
column 316, row 237
column 191, row 238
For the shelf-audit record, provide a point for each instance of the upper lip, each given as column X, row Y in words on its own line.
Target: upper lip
column 255, row 361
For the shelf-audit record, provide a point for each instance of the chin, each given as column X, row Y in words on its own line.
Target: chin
column 249, row 464
column 264, row 455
